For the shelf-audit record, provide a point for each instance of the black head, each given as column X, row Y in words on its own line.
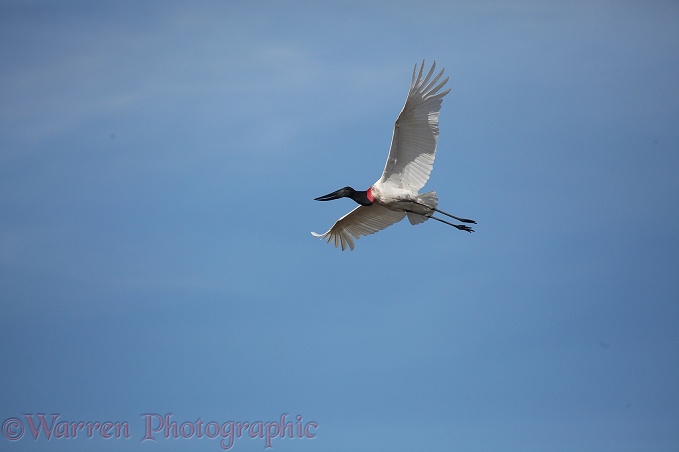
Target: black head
column 360, row 197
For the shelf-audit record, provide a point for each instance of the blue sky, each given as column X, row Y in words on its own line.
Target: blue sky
column 158, row 164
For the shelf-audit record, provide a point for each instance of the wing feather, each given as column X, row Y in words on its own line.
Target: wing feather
column 363, row 220
column 413, row 145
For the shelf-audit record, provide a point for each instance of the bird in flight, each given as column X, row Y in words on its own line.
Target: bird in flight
column 411, row 157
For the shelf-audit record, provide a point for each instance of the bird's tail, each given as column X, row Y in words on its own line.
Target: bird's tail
column 429, row 199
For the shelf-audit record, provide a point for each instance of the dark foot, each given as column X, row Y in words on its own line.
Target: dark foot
column 462, row 227
column 464, row 220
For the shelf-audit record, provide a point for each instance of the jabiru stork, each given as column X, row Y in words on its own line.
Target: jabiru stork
column 411, row 158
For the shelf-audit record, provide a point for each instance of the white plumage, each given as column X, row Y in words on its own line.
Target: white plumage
column 416, row 132
column 363, row 220
column 410, row 161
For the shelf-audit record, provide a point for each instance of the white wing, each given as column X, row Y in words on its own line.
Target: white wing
column 413, row 146
column 363, row 220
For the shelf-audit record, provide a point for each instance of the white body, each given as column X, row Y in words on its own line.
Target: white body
column 410, row 161
column 401, row 200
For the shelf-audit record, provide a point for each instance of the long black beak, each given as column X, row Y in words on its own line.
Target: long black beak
column 330, row 196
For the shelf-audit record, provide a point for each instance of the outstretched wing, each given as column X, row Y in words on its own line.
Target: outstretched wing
column 413, row 145
column 363, row 220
